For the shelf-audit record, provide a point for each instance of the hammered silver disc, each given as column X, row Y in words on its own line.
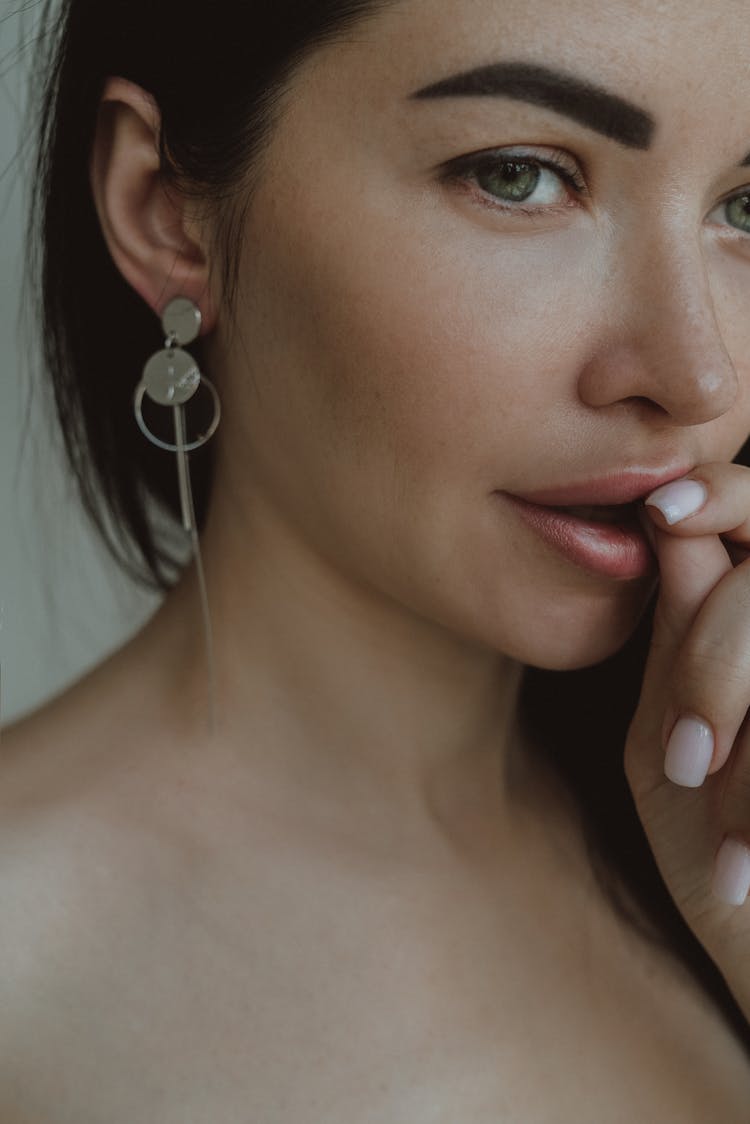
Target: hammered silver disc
column 181, row 319
column 171, row 377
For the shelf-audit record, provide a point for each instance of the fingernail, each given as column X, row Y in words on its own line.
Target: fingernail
column 689, row 752
column 678, row 500
column 731, row 877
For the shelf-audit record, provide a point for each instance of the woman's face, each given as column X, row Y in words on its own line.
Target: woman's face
column 410, row 345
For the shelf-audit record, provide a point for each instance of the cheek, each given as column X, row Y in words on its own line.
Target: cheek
column 404, row 357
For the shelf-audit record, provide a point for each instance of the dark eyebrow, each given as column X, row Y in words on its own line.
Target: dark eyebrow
column 554, row 89
column 558, row 90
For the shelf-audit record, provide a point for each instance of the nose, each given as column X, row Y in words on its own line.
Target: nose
column 661, row 340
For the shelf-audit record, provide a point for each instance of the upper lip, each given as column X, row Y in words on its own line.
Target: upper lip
column 624, row 486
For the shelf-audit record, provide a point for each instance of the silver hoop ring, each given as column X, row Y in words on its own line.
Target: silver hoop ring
column 140, row 390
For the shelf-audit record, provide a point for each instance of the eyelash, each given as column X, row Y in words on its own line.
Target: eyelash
column 462, row 170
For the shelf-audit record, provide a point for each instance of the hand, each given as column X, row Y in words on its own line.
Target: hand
column 691, row 718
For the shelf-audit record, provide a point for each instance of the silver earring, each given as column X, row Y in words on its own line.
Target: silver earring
column 170, row 378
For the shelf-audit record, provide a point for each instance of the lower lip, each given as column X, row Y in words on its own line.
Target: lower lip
column 606, row 549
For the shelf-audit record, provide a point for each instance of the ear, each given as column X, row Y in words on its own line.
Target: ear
column 154, row 243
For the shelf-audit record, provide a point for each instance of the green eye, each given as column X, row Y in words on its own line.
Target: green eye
column 737, row 211
column 510, row 179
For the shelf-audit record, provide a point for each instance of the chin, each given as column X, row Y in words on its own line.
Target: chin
column 582, row 632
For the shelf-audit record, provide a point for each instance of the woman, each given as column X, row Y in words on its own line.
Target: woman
column 413, row 845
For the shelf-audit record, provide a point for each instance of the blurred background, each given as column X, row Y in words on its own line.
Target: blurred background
column 63, row 603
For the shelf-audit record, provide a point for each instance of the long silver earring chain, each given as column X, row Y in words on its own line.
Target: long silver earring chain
column 189, row 524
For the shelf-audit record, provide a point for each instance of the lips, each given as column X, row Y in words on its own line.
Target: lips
column 594, row 523
column 614, row 489
column 615, row 548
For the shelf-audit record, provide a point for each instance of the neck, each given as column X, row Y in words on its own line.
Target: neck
column 329, row 683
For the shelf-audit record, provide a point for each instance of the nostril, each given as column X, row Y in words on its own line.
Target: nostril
column 648, row 403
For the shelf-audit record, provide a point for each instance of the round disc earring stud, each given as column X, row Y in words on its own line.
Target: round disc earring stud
column 181, row 320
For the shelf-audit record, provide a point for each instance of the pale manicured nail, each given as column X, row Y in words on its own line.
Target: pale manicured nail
column 689, row 752
column 678, row 500
column 731, row 878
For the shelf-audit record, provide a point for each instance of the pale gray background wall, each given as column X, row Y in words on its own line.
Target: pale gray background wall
column 63, row 605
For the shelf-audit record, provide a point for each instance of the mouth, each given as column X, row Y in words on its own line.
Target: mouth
column 597, row 523
column 619, row 514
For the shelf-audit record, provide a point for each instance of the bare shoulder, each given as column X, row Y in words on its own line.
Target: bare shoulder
column 78, row 865
column 60, row 836
column 77, row 844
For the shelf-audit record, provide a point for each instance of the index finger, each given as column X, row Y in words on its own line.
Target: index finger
column 689, row 568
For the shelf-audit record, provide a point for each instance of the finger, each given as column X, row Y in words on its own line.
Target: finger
column 711, row 682
column 689, row 570
column 714, row 499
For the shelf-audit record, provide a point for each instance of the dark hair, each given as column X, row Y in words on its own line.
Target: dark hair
column 219, row 80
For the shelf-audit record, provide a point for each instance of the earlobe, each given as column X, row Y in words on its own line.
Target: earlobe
column 144, row 224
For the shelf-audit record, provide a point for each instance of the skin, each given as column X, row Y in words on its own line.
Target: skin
column 399, row 353
column 372, row 601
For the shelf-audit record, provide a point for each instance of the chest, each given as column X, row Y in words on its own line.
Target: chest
column 318, row 1002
